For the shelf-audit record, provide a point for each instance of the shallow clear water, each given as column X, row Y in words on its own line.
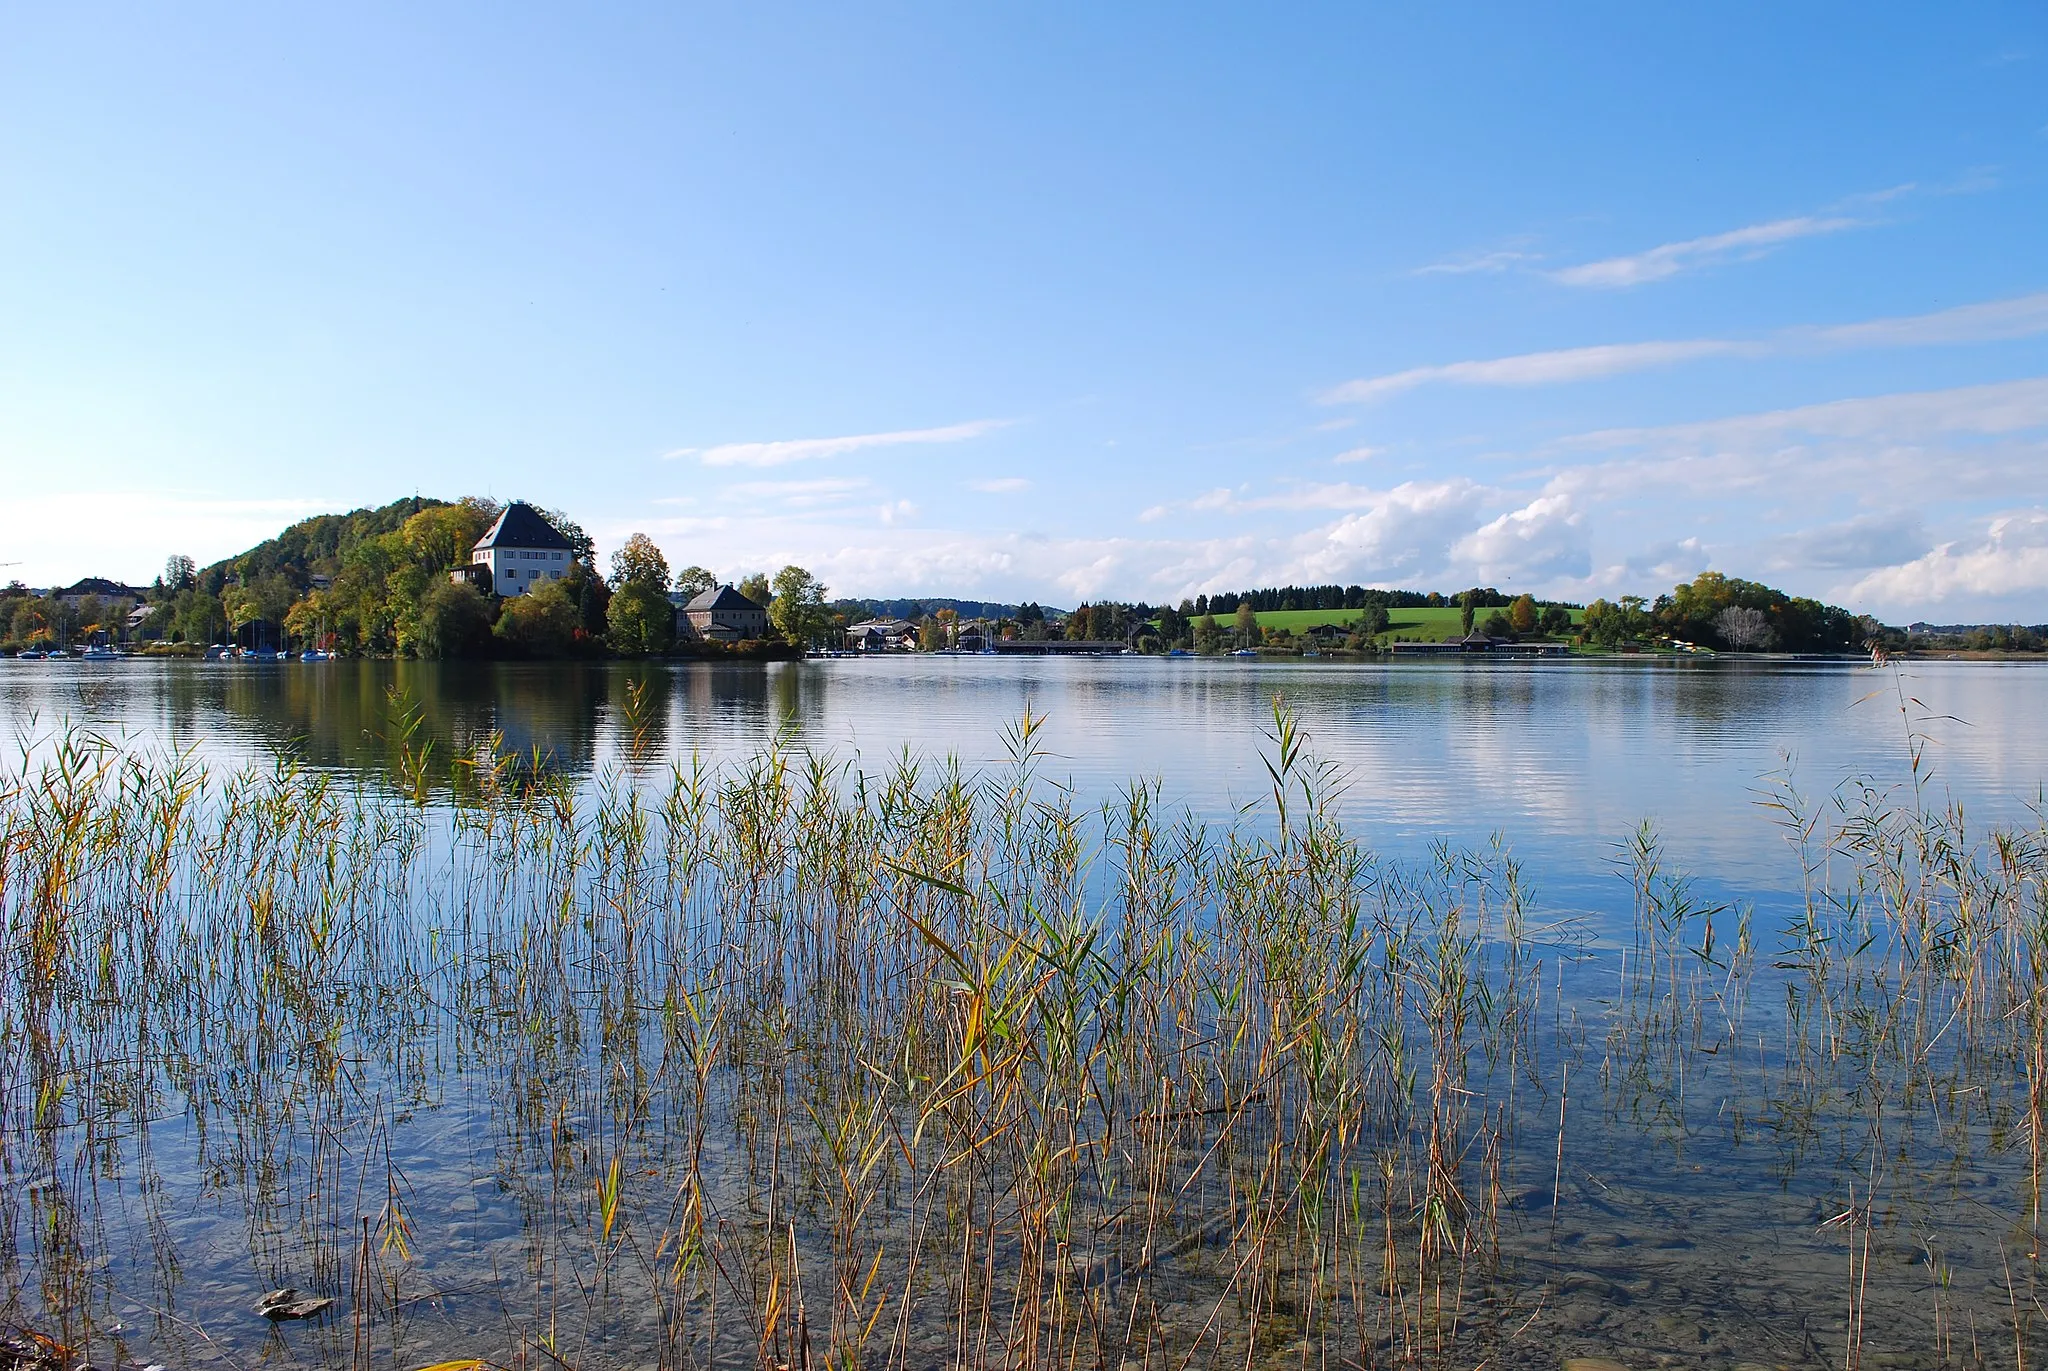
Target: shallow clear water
column 1561, row 759
column 1677, row 1133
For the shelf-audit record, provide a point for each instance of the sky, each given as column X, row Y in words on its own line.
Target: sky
column 1048, row 301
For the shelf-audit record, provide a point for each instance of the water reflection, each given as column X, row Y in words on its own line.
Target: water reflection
column 608, row 1074
column 1563, row 758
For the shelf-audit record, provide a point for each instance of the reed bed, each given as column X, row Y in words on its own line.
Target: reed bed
column 789, row 1065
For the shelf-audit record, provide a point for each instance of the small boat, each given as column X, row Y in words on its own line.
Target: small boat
column 1246, row 652
column 1180, row 652
column 314, row 654
column 34, row 654
column 56, row 652
column 99, row 654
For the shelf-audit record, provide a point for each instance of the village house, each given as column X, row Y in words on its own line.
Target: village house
column 519, row 552
column 98, row 587
column 721, row 615
column 882, row 635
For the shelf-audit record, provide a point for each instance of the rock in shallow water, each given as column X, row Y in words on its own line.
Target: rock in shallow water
column 283, row 1304
column 1593, row 1364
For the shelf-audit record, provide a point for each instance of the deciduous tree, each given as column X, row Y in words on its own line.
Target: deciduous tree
column 540, row 623
column 455, row 621
column 1746, row 630
column 695, row 580
column 641, row 619
column 799, row 611
column 639, row 562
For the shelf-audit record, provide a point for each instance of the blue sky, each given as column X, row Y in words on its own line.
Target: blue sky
column 1044, row 301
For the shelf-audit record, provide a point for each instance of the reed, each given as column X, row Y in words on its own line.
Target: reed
column 791, row 1064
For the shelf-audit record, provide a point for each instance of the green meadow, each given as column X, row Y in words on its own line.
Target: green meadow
column 1423, row 625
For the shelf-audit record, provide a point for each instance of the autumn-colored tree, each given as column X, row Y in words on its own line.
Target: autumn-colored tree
column 581, row 544
column 639, row 562
column 1522, row 614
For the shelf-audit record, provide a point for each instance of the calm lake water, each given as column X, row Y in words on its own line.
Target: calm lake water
column 593, row 1076
column 1562, row 760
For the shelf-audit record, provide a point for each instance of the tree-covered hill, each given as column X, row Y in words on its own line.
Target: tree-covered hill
column 317, row 546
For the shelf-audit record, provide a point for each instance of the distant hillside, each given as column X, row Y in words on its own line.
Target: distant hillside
column 918, row 608
column 313, row 547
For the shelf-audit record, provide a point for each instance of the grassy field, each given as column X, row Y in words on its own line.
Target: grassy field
column 1426, row 625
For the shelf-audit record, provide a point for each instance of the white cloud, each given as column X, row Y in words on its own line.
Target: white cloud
column 1410, row 534
column 784, row 451
column 1998, row 408
column 2023, row 316
column 1868, row 540
column 2010, row 557
column 1401, row 534
column 1000, row 485
column 1544, row 539
column 1358, row 454
column 1482, row 263
column 1809, row 497
column 1669, row 259
column 1223, row 497
column 1537, row 368
column 1840, row 486
column 1665, row 563
column 800, row 494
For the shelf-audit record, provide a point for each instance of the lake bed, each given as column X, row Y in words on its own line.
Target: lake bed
column 821, row 1051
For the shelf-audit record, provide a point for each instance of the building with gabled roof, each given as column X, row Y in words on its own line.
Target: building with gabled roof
column 112, row 591
column 882, row 635
column 721, row 615
column 520, row 551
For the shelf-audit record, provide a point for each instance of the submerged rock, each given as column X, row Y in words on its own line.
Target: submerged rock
column 284, row 1304
column 1593, row 1364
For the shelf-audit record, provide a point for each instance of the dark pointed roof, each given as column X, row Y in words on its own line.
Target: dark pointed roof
column 521, row 525
column 720, row 597
column 102, row 587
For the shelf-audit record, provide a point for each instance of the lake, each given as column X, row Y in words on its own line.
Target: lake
column 642, row 1015
column 1561, row 759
